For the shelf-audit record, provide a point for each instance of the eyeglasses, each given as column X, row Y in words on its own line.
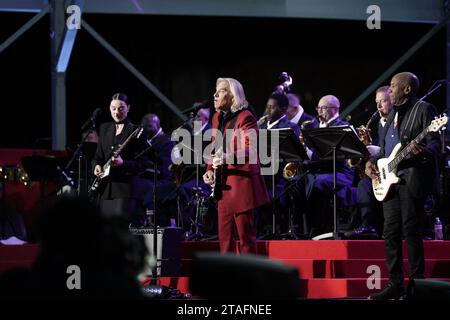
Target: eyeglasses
column 324, row 108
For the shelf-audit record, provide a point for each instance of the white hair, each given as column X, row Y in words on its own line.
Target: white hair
column 237, row 91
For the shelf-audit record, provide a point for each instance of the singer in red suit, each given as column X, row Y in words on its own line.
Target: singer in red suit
column 242, row 186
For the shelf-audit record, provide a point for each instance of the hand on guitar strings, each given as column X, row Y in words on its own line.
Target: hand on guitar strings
column 208, row 177
column 98, row 172
column 416, row 148
column 371, row 170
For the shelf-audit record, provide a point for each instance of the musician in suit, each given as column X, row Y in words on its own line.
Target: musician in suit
column 295, row 111
column 276, row 118
column 276, row 108
column 242, row 187
column 311, row 188
column 158, row 150
column 369, row 210
column 120, row 194
column 403, row 208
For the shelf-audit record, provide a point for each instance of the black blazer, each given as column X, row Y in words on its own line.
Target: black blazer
column 124, row 181
column 420, row 173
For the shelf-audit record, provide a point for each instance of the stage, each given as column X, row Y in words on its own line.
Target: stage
column 328, row 269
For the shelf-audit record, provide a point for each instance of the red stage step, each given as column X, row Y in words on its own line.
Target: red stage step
column 327, row 269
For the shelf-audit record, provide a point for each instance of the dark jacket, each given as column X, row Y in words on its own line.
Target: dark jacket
column 305, row 117
column 420, row 173
column 124, row 181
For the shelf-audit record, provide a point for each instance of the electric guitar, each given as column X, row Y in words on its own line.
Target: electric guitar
column 387, row 167
column 107, row 166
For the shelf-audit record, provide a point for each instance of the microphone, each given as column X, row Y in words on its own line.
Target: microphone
column 200, row 105
column 443, row 81
column 91, row 121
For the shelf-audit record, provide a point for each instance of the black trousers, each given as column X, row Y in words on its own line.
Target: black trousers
column 369, row 209
column 403, row 212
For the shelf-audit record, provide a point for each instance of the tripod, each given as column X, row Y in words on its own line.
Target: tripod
column 200, row 212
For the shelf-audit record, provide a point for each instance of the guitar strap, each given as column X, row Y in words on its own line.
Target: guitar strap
column 411, row 120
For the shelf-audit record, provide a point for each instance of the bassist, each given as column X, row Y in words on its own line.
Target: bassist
column 403, row 207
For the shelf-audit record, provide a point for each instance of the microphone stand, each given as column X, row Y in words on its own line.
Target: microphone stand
column 153, row 289
column 81, row 187
column 436, row 85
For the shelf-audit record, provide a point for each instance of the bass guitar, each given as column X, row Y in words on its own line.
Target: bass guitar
column 387, row 167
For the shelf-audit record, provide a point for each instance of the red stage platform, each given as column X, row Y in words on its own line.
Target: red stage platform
column 327, row 269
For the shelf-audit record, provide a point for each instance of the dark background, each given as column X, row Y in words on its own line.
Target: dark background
column 183, row 56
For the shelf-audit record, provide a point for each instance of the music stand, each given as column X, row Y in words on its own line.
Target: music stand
column 335, row 143
column 290, row 150
column 43, row 169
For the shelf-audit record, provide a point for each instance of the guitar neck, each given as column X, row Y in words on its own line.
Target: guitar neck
column 406, row 150
column 121, row 147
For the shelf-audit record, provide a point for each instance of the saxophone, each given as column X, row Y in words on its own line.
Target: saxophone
column 291, row 169
column 365, row 137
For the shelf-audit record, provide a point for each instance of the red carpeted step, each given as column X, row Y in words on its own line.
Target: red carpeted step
column 352, row 268
column 18, row 252
column 359, row 268
column 324, row 249
column 17, row 256
column 342, row 288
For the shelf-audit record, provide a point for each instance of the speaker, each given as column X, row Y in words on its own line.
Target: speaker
column 215, row 276
column 168, row 250
column 421, row 289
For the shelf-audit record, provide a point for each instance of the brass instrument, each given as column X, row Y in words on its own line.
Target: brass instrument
column 303, row 126
column 291, row 169
column 365, row 137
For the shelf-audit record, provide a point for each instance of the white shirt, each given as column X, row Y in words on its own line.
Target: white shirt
column 271, row 124
column 383, row 121
column 299, row 114
column 325, row 124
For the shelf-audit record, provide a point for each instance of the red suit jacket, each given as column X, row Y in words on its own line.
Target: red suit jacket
column 243, row 187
